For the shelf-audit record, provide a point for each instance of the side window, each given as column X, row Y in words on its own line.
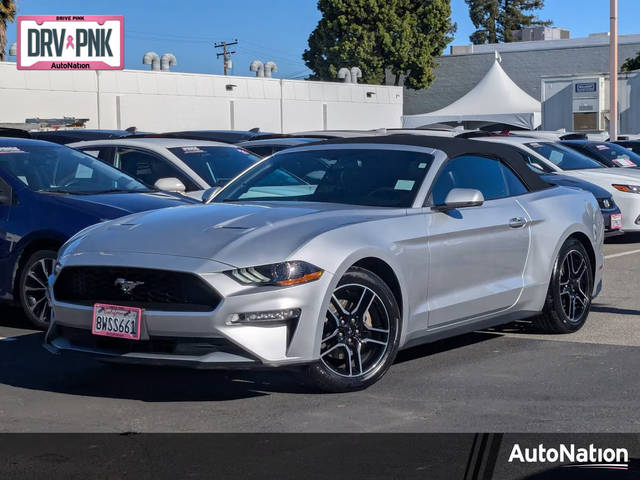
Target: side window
column 5, row 193
column 104, row 154
column 149, row 168
column 490, row 176
column 514, row 184
column 261, row 151
column 535, row 164
column 93, row 153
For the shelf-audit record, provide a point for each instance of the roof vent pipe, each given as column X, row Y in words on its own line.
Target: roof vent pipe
column 151, row 58
column 167, row 61
column 345, row 75
column 356, row 73
column 258, row 67
column 269, row 68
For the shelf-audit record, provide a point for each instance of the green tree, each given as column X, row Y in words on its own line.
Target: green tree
column 631, row 64
column 484, row 16
column 399, row 36
column 7, row 14
column 495, row 20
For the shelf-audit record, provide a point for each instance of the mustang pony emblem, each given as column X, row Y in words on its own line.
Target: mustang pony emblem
column 127, row 286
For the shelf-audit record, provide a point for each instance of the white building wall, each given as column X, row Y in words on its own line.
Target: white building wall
column 164, row 101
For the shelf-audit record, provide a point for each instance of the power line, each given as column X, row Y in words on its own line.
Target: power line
column 226, row 54
column 271, row 50
column 270, row 55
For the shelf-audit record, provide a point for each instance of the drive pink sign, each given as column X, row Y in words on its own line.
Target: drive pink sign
column 70, row 42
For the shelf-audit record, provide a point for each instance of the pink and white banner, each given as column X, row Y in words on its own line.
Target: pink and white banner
column 70, row 42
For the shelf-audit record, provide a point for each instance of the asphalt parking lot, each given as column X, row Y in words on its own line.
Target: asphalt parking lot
column 506, row 380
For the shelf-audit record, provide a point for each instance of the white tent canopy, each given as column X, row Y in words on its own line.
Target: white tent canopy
column 496, row 99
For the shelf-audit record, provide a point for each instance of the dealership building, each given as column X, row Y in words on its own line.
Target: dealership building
column 546, row 54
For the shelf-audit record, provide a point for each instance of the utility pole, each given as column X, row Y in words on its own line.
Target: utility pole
column 226, row 54
column 613, row 72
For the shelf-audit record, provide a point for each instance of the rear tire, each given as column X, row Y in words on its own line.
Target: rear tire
column 570, row 291
column 32, row 287
column 361, row 334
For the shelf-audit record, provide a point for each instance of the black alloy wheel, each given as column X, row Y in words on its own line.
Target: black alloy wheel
column 32, row 287
column 361, row 332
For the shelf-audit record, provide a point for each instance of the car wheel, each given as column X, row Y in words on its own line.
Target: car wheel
column 33, row 287
column 570, row 291
column 360, row 336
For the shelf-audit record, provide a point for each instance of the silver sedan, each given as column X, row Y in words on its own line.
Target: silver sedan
column 331, row 258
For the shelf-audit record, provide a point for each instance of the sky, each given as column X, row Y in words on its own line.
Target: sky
column 274, row 30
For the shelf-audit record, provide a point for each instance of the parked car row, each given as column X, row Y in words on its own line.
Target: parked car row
column 172, row 164
column 309, row 257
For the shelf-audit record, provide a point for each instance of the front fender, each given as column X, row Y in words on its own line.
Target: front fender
column 400, row 242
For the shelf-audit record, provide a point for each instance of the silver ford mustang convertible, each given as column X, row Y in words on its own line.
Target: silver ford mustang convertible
column 333, row 257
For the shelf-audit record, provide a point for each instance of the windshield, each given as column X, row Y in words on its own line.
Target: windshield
column 610, row 154
column 215, row 165
column 58, row 169
column 562, row 157
column 633, row 146
column 384, row 178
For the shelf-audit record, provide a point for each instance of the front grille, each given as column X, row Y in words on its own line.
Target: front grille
column 159, row 345
column 154, row 290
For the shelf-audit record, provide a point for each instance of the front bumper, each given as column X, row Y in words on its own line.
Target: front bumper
column 608, row 231
column 200, row 339
column 629, row 205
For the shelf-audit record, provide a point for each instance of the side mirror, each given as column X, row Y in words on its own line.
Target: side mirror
column 460, row 198
column 209, row 193
column 170, row 185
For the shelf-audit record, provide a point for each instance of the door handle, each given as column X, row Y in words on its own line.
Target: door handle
column 517, row 222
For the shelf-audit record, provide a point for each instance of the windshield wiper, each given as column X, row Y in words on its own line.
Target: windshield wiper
column 63, row 192
column 113, row 190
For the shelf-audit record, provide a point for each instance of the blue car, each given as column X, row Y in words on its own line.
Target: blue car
column 608, row 208
column 48, row 193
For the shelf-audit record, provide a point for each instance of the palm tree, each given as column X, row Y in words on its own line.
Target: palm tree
column 7, row 14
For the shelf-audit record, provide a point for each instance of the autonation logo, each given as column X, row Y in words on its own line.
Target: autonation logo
column 589, row 457
column 70, row 42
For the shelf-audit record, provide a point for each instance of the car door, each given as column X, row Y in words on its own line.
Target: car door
column 477, row 254
column 149, row 167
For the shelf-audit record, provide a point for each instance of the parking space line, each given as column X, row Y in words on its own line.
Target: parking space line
column 615, row 255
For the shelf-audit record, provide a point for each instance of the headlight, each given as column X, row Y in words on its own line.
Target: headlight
column 627, row 188
column 282, row 274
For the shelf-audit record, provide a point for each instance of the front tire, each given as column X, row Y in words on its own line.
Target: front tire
column 361, row 334
column 570, row 291
column 32, row 287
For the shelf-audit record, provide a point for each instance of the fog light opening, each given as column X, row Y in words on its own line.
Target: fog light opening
column 264, row 317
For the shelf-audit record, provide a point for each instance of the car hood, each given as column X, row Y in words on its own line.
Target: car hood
column 238, row 235
column 566, row 181
column 114, row 205
column 607, row 176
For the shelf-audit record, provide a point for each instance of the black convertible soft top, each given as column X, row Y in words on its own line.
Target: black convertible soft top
column 457, row 147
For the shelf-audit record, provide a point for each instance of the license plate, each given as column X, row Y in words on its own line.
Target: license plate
column 116, row 321
column 616, row 221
